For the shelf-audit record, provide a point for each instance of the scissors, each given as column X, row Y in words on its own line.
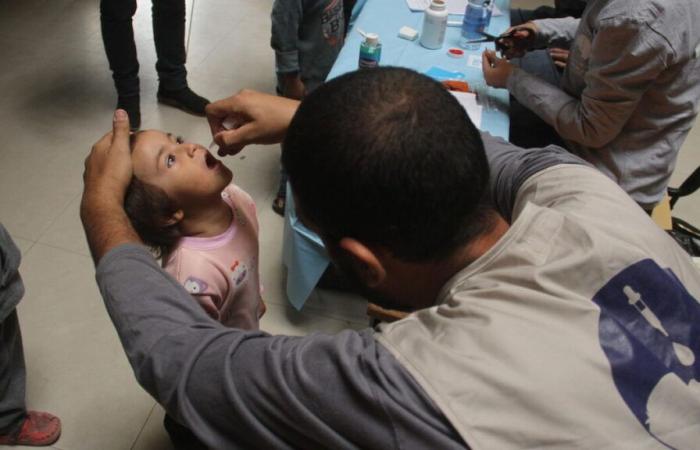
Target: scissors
column 497, row 40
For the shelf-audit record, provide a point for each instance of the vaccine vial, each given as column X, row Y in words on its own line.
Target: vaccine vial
column 434, row 25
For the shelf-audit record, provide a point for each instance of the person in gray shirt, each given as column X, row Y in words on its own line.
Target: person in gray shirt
column 424, row 195
column 629, row 93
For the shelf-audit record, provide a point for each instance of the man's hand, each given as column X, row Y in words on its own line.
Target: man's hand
column 518, row 40
column 560, row 57
column 496, row 70
column 108, row 172
column 257, row 118
column 108, row 168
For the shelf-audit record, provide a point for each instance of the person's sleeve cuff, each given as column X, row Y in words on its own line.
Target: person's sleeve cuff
column 286, row 62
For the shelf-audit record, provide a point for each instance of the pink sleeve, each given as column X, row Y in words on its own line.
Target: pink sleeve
column 201, row 278
column 243, row 200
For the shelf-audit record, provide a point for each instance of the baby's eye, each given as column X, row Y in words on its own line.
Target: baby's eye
column 179, row 139
column 169, row 161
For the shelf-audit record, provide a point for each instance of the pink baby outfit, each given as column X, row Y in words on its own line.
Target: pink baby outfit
column 221, row 272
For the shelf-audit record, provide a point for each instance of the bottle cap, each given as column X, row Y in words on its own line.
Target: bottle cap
column 438, row 5
column 372, row 38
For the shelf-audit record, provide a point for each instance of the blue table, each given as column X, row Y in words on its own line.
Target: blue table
column 303, row 252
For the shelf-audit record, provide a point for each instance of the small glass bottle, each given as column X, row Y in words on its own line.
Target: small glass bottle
column 477, row 16
column 434, row 25
column 370, row 51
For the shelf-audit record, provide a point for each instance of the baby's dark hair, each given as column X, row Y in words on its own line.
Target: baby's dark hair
column 148, row 208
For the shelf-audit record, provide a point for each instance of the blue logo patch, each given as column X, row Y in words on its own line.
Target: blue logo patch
column 650, row 333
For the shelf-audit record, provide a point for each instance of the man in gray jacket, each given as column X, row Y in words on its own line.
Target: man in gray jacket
column 535, row 301
column 629, row 93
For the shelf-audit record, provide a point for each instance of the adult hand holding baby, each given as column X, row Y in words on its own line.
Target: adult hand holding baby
column 108, row 172
column 108, row 166
column 257, row 118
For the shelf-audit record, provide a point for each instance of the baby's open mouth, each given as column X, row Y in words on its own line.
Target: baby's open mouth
column 210, row 161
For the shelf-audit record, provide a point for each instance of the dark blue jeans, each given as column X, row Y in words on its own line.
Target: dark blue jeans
column 168, row 34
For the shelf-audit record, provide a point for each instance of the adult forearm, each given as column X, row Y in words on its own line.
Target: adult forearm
column 106, row 226
column 556, row 32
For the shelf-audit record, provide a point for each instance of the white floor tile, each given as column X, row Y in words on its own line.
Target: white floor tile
column 22, row 244
column 288, row 321
column 66, row 232
column 153, row 436
column 76, row 366
column 40, row 174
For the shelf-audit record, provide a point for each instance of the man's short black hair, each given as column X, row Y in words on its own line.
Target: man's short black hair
column 389, row 157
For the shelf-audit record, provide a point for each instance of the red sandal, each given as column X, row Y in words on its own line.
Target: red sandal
column 39, row 429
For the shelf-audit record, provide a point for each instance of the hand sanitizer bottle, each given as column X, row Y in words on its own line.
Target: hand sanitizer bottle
column 370, row 51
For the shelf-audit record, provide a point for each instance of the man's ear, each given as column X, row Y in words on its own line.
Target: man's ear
column 366, row 261
column 175, row 218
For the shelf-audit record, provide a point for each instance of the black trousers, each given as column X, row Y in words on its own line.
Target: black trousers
column 168, row 34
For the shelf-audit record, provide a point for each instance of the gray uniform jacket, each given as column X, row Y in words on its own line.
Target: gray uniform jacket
column 630, row 92
column 247, row 389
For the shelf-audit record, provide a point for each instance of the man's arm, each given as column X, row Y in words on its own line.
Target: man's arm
column 510, row 166
column 624, row 62
column 556, row 32
column 246, row 389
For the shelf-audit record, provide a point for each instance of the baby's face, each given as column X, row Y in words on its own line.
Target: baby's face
column 187, row 172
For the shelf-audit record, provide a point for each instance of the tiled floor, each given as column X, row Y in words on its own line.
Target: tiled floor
column 57, row 98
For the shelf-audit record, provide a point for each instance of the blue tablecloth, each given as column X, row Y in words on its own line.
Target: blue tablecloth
column 303, row 253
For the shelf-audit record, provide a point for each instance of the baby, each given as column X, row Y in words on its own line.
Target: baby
column 181, row 203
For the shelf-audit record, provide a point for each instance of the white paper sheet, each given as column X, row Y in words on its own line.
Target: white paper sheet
column 468, row 102
column 474, row 61
column 456, row 7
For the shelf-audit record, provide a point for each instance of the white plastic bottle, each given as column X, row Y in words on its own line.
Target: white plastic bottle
column 434, row 25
